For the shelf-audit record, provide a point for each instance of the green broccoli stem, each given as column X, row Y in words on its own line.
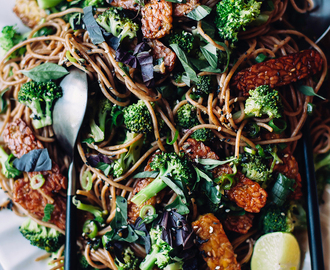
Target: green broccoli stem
column 3, row 157
column 323, row 162
column 150, row 260
column 149, row 191
column 40, row 120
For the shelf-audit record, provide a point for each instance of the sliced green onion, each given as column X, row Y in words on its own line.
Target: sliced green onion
column 86, row 181
column 174, row 139
column 37, row 181
column 310, row 108
column 279, row 126
column 69, row 57
column 260, row 57
column 253, row 129
column 146, row 211
column 250, row 150
column 261, row 151
column 90, row 228
column 226, row 181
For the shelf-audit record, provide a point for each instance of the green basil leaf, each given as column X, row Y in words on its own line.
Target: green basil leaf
column 212, row 163
column 211, row 192
column 180, row 207
column 46, row 72
column 146, row 174
column 201, row 174
column 190, row 72
column 210, row 53
column 120, row 218
column 93, row 28
column 3, row 102
column 88, row 140
column 309, row 91
column 260, row 58
column 106, row 168
column 48, row 210
column 200, row 12
column 36, row 160
column 208, row 29
column 175, row 188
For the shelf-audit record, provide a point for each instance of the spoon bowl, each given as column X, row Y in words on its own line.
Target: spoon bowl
column 68, row 115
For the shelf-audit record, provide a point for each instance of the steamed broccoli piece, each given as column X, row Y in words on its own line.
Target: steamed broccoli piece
column 9, row 38
column 95, row 3
column 8, row 170
column 184, row 39
column 255, row 168
column 160, row 251
column 204, row 85
column 232, row 16
column 137, row 118
column 39, row 97
column 45, row 238
column 129, row 260
column 281, row 219
column 187, row 118
column 264, row 100
column 169, row 165
column 126, row 160
column 100, row 112
column 114, row 21
column 95, row 210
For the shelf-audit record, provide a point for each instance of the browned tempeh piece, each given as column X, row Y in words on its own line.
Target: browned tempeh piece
column 159, row 50
column 29, row 12
column 217, row 251
column 180, row 10
column 247, row 194
column 20, row 140
column 280, row 71
column 240, row 224
column 156, row 19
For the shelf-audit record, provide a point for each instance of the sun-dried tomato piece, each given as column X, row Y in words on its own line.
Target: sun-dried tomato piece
column 240, row 224
column 280, row 71
column 217, row 251
column 248, row 194
column 156, row 19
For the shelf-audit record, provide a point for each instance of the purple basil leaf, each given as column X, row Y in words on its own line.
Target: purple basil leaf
column 147, row 67
column 126, row 58
column 111, row 40
column 93, row 160
column 141, row 47
column 34, row 161
column 145, row 240
column 94, row 30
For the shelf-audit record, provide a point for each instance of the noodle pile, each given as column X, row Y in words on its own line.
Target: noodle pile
column 100, row 65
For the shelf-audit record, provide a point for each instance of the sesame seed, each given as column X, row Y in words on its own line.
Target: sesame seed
column 211, row 229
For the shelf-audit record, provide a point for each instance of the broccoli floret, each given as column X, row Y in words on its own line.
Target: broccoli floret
column 45, row 238
column 9, row 38
column 129, row 260
column 264, row 100
column 233, row 16
column 283, row 219
column 39, row 97
column 204, row 85
column 95, row 3
column 169, row 165
column 114, row 21
column 202, row 134
column 184, row 39
column 100, row 112
column 137, row 118
column 126, row 160
column 95, row 210
column 255, row 167
column 8, row 170
column 83, row 263
column 160, row 251
column 187, row 118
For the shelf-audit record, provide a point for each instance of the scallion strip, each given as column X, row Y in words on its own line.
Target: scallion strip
column 37, row 181
column 279, row 126
column 69, row 57
column 86, row 181
column 174, row 139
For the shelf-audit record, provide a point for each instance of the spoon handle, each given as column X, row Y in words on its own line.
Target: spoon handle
column 313, row 220
column 70, row 253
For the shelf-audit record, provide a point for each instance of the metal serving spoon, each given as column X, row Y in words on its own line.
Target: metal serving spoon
column 68, row 114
